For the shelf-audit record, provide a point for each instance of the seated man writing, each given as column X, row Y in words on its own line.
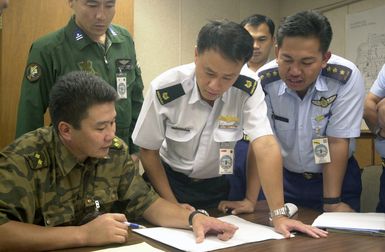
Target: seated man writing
column 74, row 184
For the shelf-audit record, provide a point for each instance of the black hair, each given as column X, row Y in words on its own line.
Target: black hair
column 228, row 38
column 258, row 19
column 74, row 93
column 306, row 24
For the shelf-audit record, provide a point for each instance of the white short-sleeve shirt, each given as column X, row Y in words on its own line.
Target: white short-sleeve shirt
column 187, row 130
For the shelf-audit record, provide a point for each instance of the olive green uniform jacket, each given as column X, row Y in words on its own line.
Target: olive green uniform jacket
column 42, row 183
column 70, row 49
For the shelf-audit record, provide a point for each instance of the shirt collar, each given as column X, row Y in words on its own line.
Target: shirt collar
column 65, row 160
column 80, row 39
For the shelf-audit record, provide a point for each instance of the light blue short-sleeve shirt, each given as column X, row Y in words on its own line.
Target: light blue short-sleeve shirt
column 333, row 107
column 378, row 89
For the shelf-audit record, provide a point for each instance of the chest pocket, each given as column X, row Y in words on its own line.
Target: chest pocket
column 228, row 135
column 181, row 141
column 284, row 129
column 57, row 212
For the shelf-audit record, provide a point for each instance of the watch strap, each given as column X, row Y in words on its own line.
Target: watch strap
column 193, row 213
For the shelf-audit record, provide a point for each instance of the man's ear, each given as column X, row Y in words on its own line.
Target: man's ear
column 325, row 58
column 65, row 130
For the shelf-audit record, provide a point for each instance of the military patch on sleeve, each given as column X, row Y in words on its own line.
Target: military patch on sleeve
column 168, row 94
column 269, row 75
column 246, row 84
column 37, row 160
column 33, row 72
column 337, row 72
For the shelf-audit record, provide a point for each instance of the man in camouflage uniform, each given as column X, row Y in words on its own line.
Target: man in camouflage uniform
column 66, row 175
column 89, row 43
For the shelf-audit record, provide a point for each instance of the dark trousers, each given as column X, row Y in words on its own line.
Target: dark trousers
column 309, row 192
column 298, row 189
column 199, row 193
column 381, row 203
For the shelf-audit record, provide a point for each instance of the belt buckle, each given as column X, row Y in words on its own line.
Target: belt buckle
column 308, row 175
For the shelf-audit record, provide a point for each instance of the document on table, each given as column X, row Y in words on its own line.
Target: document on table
column 372, row 223
column 185, row 240
column 140, row 247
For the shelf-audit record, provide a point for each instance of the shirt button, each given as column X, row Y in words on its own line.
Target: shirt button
column 89, row 201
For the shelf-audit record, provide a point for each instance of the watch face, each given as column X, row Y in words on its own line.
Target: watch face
column 321, row 150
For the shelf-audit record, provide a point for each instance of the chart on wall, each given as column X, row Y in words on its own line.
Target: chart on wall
column 365, row 42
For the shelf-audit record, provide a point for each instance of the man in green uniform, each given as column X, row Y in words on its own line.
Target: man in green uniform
column 56, row 180
column 90, row 43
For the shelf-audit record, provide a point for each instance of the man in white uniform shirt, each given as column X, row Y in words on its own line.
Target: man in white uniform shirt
column 191, row 119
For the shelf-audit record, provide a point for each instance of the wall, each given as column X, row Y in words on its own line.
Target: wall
column 166, row 31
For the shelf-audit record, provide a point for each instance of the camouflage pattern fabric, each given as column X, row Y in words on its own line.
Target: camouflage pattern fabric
column 42, row 183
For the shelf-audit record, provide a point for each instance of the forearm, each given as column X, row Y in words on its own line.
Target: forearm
column 370, row 111
column 269, row 168
column 334, row 172
column 18, row 236
column 167, row 214
column 155, row 171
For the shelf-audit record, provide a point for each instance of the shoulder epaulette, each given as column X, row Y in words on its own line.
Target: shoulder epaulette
column 246, row 84
column 37, row 160
column 337, row 72
column 269, row 75
column 168, row 94
column 117, row 144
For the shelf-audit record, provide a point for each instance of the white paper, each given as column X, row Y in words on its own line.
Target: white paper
column 369, row 222
column 140, row 247
column 185, row 240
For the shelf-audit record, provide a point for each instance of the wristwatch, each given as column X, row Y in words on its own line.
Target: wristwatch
column 278, row 212
column 198, row 211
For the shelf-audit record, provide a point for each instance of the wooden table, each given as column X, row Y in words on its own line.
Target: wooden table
column 334, row 242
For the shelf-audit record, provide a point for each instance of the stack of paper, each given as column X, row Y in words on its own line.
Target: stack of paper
column 372, row 223
column 185, row 240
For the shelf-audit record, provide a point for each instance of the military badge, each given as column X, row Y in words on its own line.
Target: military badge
column 337, row 72
column 246, row 84
column 33, row 72
column 123, row 65
column 324, row 102
column 168, row 94
column 269, row 75
column 87, row 66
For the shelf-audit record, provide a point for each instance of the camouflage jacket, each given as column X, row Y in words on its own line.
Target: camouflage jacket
column 42, row 183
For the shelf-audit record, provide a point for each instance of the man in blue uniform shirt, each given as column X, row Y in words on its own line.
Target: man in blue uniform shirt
column 374, row 116
column 315, row 106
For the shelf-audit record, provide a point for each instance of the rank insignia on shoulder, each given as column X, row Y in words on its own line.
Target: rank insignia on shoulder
column 337, row 72
column 269, row 75
column 33, row 72
column 246, row 84
column 37, row 160
column 168, row 94
column 324, row 102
